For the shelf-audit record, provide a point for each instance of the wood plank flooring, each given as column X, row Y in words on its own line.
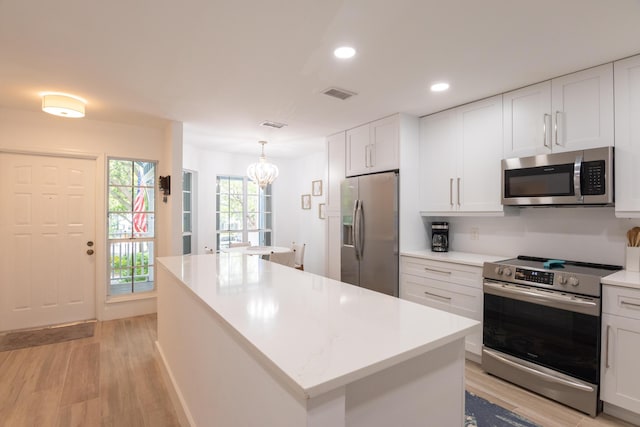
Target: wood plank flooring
column 110, row 379
column 114, row 379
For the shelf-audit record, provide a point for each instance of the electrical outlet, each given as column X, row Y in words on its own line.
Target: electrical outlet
column 475, row 233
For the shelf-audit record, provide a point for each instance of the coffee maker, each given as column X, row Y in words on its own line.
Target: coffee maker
column 440, row 236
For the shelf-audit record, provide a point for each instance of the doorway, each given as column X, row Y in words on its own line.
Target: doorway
column 47, row 232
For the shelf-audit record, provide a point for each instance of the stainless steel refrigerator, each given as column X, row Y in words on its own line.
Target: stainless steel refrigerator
column 369, row 252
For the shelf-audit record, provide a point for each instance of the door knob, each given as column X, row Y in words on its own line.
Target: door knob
column 89, row 251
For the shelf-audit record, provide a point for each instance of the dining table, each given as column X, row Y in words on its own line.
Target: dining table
column 256, row 250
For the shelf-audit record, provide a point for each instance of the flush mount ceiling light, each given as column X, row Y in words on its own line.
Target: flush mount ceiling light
column 344, row 52
column 63, row 105
column 262, row 172
column 439, row 87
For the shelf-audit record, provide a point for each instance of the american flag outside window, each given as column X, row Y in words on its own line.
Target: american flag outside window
column 139, row 215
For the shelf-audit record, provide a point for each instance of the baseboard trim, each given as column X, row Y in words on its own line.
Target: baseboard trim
column 182, row 411
column 621, row 413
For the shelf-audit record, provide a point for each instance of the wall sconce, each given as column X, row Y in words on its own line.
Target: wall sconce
column 63, row 105
column 165, row 187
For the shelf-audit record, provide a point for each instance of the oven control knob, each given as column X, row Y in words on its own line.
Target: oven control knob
column 562, row 280
column 498, row 270
column 507, row 272
column 573, row 281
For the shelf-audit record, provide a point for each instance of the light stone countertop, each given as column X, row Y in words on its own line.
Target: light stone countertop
column 457, row 257
column 625, row 278
column 321, row 333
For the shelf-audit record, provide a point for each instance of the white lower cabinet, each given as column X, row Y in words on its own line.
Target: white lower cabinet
column 620, row 373
column 455, row 288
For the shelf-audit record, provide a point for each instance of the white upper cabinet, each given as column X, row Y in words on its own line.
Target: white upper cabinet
column 438, row 151
column 527, row 121
column 568, row 113
column 627, row 170
column 480, row 156
column 460, row 154
column 373, row 147
column 357, row 150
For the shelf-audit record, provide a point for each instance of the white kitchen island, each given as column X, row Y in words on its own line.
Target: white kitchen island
column 246, row 342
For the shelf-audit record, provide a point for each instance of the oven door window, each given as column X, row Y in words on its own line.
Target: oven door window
column 558, row 339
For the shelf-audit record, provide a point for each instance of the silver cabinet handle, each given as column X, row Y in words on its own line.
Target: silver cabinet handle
column 451, row 191
column 556, row 129
column 371, row 148
column 437, row 296
column 458, row 191
column 366, row 156
column 544, row 129
column 630, row 304
column 606, row 349
column 437, row 271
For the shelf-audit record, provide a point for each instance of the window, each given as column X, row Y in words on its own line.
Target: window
column 243, row 212
column 187, row 211
column 131, row 226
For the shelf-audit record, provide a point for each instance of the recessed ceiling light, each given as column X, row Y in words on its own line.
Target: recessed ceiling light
column 344, row 52
column 439, row 87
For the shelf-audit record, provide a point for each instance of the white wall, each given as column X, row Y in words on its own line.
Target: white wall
column 293, row 223
column 581, row 234
column 290, row 222
column 37, row 132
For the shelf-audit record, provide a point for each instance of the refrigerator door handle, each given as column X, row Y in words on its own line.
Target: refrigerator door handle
column 360, row 230
column 354, row 227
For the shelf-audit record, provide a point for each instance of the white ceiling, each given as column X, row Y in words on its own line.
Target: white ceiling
column 223, row 67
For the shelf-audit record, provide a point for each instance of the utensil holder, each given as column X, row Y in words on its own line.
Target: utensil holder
column 633, row 258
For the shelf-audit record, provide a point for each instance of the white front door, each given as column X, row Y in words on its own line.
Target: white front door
column 47, row 229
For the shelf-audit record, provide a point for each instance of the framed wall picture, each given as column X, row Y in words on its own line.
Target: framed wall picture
column 306, row 201
column 321, row 210
column 316, row 187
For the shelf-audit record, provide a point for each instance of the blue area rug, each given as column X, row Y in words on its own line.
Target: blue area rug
column 481, row 413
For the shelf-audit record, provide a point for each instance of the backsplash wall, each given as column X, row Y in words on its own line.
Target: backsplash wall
column 591, row 234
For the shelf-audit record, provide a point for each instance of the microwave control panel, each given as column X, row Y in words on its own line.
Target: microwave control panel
column 534, row 276
column 593, row 177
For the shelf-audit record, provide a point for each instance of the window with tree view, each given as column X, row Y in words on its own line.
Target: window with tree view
column 243, row 212
column 131, row 226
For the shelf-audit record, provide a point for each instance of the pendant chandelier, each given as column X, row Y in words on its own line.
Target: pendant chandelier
column 262, row 172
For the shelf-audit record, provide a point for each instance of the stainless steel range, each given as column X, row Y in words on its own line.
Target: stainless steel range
column 541, row 327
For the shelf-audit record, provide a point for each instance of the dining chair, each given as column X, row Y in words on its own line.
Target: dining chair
column 239, row 244
column 299, row 251
column 284, row 258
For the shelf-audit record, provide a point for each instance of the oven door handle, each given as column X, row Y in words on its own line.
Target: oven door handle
column 546, row 298
column 543, row 375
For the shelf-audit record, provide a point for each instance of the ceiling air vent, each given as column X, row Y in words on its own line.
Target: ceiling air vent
column 271, row 124
column 342, row 94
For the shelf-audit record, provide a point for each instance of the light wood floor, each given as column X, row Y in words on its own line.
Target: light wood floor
column 110, row 379
column 114, row 379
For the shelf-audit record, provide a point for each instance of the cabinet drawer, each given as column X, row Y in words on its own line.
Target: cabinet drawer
column 446, row 296
column 621, row 301
column 462, row 300
column 443, row 271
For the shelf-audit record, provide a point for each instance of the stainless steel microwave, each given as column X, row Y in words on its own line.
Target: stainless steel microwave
column 582, row 177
